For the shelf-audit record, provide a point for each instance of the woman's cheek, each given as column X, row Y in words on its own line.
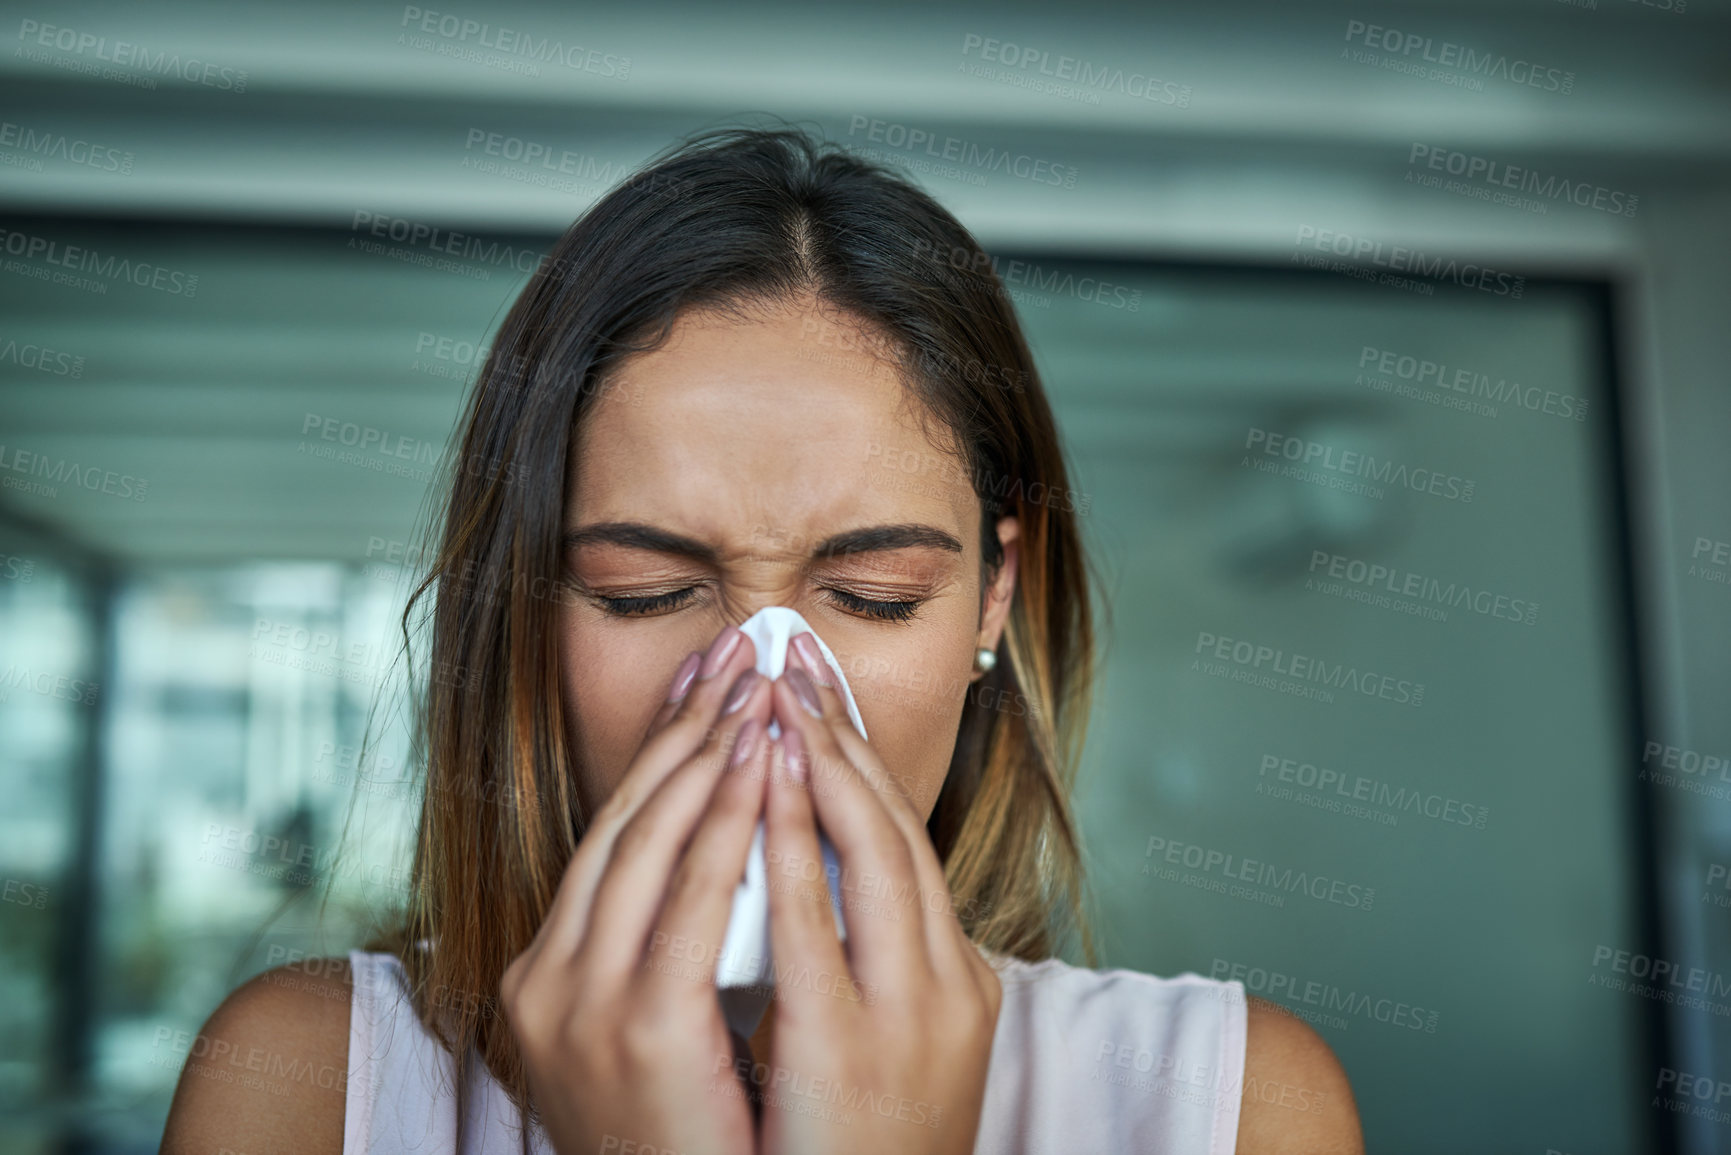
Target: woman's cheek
column 911, row 722
column 609, row 697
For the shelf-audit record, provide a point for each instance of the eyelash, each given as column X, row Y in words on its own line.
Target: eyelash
column 638, row 607
column 892, row 611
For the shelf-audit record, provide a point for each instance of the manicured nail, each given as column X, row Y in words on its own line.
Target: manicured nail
column 742, row 687
column 719, row 651
column 805, row 692
column 810, row 657
column 743, row 742
column 682, row 680
column 793, row 754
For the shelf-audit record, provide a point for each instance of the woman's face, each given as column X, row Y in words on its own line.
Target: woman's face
column 725, row 472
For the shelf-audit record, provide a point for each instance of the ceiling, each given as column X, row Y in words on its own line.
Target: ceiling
column 355, row 112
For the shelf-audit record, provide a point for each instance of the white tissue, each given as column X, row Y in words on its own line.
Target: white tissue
column 745, row 960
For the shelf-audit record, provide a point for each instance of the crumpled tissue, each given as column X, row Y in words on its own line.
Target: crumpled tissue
column 744, row 972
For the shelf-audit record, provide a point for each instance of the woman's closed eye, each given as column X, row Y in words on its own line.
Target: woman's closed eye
column 895, row 610
column 627, row 607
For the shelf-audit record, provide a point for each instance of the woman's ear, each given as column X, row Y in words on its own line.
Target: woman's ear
column 1001, row 590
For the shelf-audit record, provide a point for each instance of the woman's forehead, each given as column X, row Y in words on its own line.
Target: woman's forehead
column 736, row 422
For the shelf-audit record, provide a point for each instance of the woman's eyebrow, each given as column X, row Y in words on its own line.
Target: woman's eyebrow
column 887, row 537
column 638, row 535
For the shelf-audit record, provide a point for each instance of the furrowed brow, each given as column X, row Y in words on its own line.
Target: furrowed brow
column 637, row 535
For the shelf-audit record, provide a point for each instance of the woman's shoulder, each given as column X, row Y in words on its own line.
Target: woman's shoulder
column 1257, row 1068
column 1296, row 1094
column 267, row 1071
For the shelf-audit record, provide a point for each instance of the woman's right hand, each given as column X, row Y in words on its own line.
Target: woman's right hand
column 620, row 1032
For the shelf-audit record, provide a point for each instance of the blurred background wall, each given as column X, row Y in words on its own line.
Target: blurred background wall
column 252, row 255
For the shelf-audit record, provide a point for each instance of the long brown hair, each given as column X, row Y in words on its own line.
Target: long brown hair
column 726, row 219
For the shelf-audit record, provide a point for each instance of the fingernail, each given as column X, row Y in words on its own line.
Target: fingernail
column 682, row 680
column 805, row 645
column 793, row 753
column 719, row 651
column 743, row 742
column 742, row 687
column 805, row 692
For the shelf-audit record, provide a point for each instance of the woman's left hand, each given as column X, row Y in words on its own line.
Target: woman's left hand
column 882, row 1045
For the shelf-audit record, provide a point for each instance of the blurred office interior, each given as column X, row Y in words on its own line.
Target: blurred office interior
column 194, row 645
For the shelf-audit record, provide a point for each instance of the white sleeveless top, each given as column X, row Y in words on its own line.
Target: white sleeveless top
column 1082, row 1061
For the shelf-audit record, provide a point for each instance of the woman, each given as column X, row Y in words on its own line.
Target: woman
column 762, row 373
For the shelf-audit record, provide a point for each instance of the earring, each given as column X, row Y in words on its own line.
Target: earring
column 985, row 659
